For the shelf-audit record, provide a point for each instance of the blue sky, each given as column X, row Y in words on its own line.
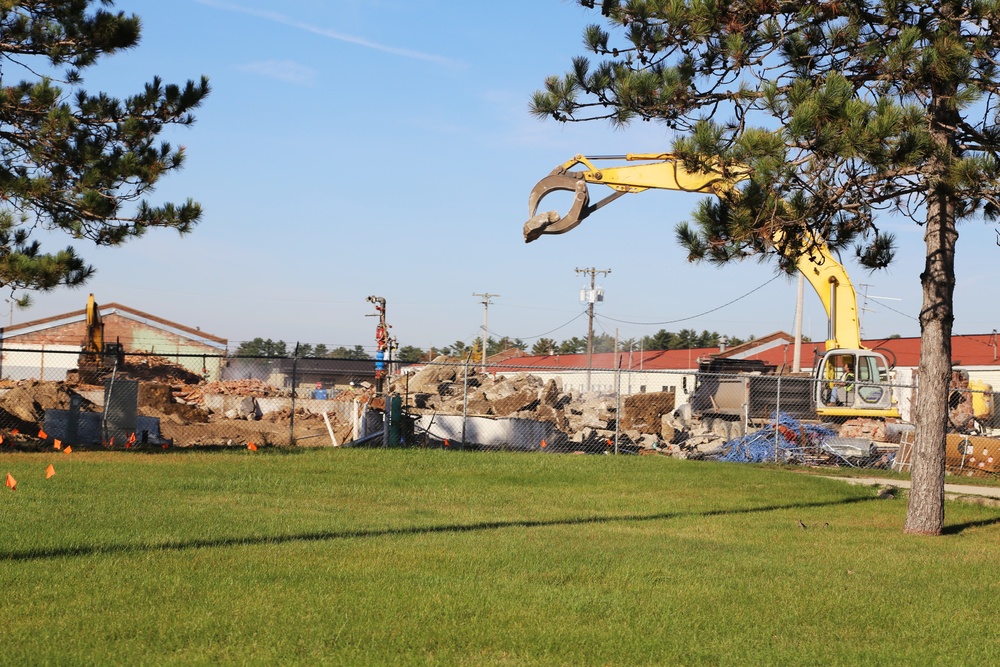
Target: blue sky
column 384, row 147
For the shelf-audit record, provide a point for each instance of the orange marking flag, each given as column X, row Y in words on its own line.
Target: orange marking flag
column 11, row 482
column 68, row 450
column 446, row 443
column 1, row 439
column 57, row 444
column 544, row 444
column 42, row 434
column 252, row 447
column 50, row 472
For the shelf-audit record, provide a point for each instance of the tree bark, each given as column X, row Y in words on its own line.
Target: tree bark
column 925, row 513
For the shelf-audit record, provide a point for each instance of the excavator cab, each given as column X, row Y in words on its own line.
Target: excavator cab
column 853, row 382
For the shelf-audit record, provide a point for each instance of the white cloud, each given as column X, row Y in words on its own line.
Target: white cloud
column 277, row 17
column 288, row 71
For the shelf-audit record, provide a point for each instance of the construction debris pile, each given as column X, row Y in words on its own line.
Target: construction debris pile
column 588, row 420
column 154, row 368
column 248, row 387
column 23, row 406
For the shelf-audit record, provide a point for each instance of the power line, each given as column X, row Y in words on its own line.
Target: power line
column 561, row 326
column 899, row 312
column 693, row 317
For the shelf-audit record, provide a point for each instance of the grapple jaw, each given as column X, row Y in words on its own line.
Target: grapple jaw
column 550, row 222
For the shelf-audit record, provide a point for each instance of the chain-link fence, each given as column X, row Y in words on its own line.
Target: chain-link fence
column 148, row 402
column 144, row 401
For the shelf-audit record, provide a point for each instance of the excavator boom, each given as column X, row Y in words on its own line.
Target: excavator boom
column 664, row 171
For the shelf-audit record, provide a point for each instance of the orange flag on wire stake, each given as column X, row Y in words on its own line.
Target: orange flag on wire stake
column 130, row 441
column 57, row 444
column 544, row 444
column 14, row 431
column 50, row 472
column 446, row 443
column 11, row 483
column 1, row 439
column 252, row 447
column 68, row 450
column 42, row 434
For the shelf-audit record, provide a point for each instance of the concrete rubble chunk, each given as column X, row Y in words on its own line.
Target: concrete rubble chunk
column 427, row 379
column 646, row 411
column 522, row 400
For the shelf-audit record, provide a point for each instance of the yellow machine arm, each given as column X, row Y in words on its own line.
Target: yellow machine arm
column 663, row 171
column 94, row 343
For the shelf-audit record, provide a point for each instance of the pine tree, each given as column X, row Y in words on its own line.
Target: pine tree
column 842, row 110
column 76, row 161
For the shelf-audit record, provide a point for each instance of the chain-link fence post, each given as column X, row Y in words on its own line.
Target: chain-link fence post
column 746, row 405
column 618, row 403
column 777, row 416
column 295, row 382
column 465, row 396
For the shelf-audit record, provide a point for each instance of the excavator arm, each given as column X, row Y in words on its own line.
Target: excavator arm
column 94, row 341
column 664, row 171
column 660, row 171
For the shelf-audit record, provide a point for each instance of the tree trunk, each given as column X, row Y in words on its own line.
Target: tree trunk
column 925, row 513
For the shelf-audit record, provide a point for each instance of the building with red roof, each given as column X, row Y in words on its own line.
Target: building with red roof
column 665, row 370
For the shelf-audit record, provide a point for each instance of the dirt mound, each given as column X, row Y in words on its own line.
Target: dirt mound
column 160, row 369
column 29, row 401
column 23, row 406
column 254, row 388
column 159, row 397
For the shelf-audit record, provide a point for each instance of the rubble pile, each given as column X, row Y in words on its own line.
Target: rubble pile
column 443, row 388
column 154, row 368
column 360, row 394
column 159, row 398
column 142, row 367
column 248, row 387
column 23, row 406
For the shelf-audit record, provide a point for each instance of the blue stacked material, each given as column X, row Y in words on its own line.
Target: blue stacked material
column 783, row 439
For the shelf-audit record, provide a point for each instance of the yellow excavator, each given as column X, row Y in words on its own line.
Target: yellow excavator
column 97, row 358
column 851, row 381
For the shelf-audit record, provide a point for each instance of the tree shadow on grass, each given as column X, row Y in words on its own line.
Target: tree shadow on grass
column 961, row 527
column 320, row 536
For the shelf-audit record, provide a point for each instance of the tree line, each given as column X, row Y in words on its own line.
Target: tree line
column 684, row 339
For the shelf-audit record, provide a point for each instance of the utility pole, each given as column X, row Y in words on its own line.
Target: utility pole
column 486, row 313
column 591, row 296
column 797, row 350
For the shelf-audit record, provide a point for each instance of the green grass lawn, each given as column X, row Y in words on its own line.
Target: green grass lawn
column 361, row 557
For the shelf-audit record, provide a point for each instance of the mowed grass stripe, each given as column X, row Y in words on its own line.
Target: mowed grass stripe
column 410, row 557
